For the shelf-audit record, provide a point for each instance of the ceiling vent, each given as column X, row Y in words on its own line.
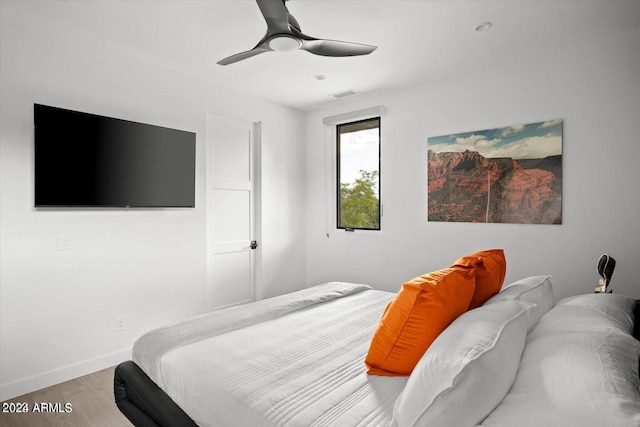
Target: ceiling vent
column 345, row 93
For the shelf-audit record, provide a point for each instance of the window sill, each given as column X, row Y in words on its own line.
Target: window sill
column 356, row 231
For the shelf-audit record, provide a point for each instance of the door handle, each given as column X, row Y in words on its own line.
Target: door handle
column 254, row 244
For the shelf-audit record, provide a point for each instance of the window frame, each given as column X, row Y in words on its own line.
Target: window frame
column 338, row 201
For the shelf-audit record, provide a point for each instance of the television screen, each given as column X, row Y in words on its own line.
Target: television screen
column 85, row 160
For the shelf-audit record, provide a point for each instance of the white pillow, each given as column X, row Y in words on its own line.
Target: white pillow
column 589, row 313
column 468, row 369
column 579, row 368
column 534, row 289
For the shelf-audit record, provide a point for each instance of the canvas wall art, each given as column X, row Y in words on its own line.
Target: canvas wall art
column 504, row 175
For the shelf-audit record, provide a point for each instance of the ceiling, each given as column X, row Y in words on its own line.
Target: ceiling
column 419, row 41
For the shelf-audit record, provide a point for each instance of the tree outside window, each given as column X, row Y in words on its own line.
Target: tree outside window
column 358, row 148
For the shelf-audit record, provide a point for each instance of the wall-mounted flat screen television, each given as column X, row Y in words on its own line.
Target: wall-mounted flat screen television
column 86, row 160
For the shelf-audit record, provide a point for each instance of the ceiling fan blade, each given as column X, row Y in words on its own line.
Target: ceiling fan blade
column 276, row 15
column 335, row 47
column 243, row 55
column 293, row 22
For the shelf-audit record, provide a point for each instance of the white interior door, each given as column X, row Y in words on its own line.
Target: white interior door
column 231, row 196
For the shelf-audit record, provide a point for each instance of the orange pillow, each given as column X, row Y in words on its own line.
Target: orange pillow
column 491, row 267
column 422, row 309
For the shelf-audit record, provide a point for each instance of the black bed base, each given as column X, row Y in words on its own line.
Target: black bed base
column 146, row 405
column 143, row 402
column 636, row 326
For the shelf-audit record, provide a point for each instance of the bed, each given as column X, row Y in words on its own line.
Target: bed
column 305, row 359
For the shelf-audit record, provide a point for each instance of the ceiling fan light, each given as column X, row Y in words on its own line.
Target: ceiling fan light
column 284, row 43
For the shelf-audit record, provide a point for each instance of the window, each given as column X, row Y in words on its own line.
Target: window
column 358, row 168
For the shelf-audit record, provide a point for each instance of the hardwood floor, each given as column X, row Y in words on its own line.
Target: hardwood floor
column 84, row 401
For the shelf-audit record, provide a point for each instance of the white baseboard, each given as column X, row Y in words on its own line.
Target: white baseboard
column 57, row 376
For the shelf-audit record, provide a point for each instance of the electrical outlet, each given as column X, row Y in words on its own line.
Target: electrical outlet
column 62, row 243
column 121, row 323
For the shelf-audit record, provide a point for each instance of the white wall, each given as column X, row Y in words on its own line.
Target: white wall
column 58, row 308
column 595, row 89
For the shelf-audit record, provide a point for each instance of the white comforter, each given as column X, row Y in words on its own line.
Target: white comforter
column 301, row 363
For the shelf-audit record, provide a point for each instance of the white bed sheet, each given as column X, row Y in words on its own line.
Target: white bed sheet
column 302, row 367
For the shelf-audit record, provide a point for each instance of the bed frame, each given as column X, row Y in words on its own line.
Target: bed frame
column 146, row 405
column 143, row 402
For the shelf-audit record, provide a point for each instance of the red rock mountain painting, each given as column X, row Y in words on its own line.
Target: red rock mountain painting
column 507, row 175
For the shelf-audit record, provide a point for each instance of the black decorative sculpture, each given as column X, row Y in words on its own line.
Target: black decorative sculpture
column 606, row 264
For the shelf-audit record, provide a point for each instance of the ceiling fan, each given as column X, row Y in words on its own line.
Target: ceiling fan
column 283, row 34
